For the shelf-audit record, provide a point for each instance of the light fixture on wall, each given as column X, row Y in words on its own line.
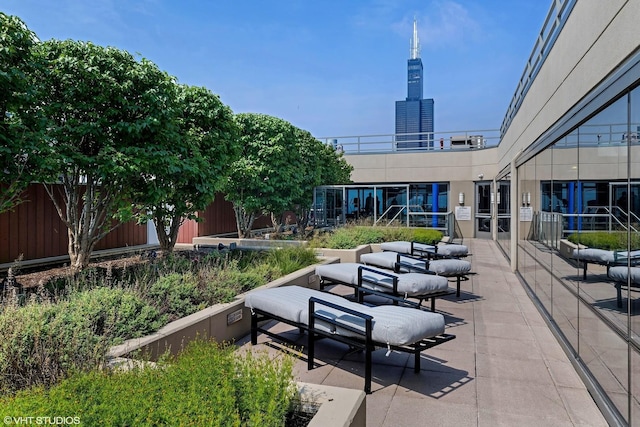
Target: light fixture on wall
column 526, row 199
column 461, row 198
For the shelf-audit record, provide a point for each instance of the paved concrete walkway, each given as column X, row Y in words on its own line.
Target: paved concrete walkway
column 504, row 367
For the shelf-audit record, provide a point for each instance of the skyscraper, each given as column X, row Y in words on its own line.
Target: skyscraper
column 414, row 114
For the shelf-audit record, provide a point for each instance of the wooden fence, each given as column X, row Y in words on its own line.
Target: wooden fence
column 34, row 230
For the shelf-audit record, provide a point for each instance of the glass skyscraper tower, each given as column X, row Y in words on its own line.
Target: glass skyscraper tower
column 415, row 114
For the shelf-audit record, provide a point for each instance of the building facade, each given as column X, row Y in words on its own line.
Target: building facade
column 414, row 115
column 567, row 164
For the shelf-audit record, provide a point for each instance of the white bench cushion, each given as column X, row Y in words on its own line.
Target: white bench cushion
column 404, row 247
column 594, row 255
column 409, row 284
column 604, row 256
column 450, row 267
column 391, row 324
column 620, row 274
column 442, row 267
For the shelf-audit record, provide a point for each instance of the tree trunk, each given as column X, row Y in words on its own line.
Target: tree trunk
column 168, row 240
column 244, row 221
column 84, row 209
column 277, row 225
column 80, row 248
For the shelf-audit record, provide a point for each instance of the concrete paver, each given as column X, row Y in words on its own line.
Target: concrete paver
column 504, row 368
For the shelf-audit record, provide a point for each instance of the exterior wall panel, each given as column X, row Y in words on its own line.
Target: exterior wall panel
column 34, row 230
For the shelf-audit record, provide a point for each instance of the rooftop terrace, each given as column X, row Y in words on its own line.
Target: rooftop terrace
column 504, row 368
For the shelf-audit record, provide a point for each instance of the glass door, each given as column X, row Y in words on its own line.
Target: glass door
column 483, row 210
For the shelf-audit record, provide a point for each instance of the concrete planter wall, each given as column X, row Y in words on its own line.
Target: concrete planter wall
column 231, row 321
column 224, row 322
column 566, row 249
column 345, row 255
column 338, row 406
column 246, row 243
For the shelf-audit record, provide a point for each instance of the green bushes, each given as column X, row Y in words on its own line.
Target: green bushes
column 117, row 313
column 176, row 295
column 72, row 328
column 605, row 240
column 43, row 342
column 208, row 384
column 352, row 237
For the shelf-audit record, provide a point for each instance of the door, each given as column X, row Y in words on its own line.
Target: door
column 483, row 210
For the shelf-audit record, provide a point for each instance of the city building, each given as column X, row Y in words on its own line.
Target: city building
column 414, row 115
column 565, row 162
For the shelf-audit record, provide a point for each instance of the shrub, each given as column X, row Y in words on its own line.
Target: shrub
column 49, row 337
column 116, row 313
column 221, row 286
column 207, row 384
column 43, row 342
column 605, row 240
column 290, row 259
column 351, row 237
column 421, row 235
column 176, row 295
column 39, row 347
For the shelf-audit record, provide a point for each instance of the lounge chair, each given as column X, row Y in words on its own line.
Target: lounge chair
column 325, row 315
column 404, row 264
column 448, row 250
column 604, row 257
column 358, row 276
column 620, row 274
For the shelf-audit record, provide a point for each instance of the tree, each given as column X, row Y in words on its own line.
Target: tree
column 103, row 110
column 189, row 170
column 263, row 178
column 19, row 139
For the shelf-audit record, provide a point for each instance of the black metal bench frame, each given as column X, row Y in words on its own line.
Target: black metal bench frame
column 425, row 270
column 393, row 289
column 363, row 341
column 433, row 254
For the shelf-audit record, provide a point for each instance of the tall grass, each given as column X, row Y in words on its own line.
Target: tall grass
column 605, row 240
column 71, row 325
column 207, row 384
column 350, row 237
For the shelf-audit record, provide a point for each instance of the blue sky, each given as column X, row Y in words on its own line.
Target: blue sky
column 332, row 67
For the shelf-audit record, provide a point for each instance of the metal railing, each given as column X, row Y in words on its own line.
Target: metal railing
column 613, row 134
column 415, row 216
column 591, row 135
column 551, row 227
column 412, row 142
column 553, row 24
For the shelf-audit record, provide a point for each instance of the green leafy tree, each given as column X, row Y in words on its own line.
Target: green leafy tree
column 189, row 170
column 104, row 109
column 20, row 150
column 263, row 178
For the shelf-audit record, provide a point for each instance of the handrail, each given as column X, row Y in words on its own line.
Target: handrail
column 409, row 142
column 554, row 22
column 406, row 209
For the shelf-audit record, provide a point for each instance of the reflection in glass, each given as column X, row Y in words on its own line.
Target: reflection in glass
column 633, row 287
column 560, row 198
column 542, row 244
column 605, row 354
column 586, row 182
